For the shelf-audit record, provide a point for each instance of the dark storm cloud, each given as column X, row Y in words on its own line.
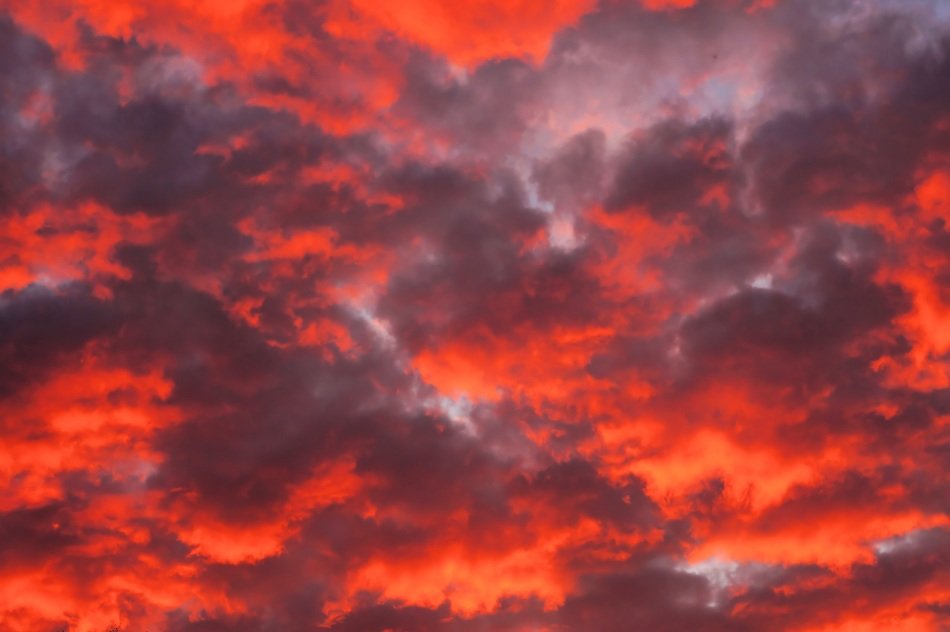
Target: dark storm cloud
column 577, row 489
column 260, row 417
column 652, row 597
column 671, row 167
column 486, row 110
column 858, row 122
column 40, row 328
column 143, row 155
column 25, row 66
column 474, row 237
column 36, row 533
column 574, row 176
column 900, row 572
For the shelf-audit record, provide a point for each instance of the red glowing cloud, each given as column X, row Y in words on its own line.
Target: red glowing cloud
column 576, row 315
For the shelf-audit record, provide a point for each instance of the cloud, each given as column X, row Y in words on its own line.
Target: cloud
column 584, row 316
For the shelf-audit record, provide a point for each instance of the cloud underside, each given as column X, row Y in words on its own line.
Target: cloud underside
column 454, row 316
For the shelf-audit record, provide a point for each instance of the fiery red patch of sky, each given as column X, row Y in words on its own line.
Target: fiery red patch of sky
column 460, row 316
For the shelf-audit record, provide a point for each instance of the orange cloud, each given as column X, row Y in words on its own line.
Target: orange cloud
column 472, row 31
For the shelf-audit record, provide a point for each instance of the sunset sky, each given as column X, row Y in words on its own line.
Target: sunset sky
column 475, row 315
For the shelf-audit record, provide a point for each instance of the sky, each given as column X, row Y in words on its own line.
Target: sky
column 481, row 315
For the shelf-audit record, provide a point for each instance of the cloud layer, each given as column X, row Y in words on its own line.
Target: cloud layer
column 455, row 317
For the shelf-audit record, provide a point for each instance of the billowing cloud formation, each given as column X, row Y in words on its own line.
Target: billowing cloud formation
column 452, row 316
